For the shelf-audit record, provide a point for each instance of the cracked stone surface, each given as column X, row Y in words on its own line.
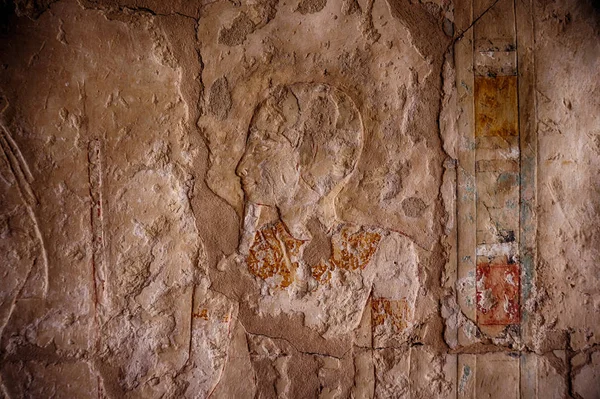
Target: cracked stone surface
column 305, row 199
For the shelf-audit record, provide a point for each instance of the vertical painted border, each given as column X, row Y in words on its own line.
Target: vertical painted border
column 465, row 191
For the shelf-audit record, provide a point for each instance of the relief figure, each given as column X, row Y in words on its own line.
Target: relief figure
column 303, row 143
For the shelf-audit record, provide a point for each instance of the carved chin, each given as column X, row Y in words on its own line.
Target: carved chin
column 260, row 197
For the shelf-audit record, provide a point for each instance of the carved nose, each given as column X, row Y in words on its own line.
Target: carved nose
column 242, row 169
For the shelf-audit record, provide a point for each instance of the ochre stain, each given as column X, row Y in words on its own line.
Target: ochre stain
column 391, row 310
column 202, row 314
column 352, row 252
column 274, row 254
column 356, row 249
column 322, row 271
column 496, row 107
column 497, row 294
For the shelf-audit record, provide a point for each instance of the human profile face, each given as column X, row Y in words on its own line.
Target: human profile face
column 304, row 131
column 269, row 168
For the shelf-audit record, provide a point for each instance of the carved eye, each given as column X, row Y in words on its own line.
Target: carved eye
column 261, row 148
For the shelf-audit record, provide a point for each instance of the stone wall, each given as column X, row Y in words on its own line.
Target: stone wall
column 305, row 199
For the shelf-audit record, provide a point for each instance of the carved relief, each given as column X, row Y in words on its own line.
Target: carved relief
column 304, row 140
column 389, row 314
column 356, row 249
column 303, row 144
column 351, row 251
column 274, row 255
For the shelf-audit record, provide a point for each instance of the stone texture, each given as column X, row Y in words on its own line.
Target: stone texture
column 308, row 199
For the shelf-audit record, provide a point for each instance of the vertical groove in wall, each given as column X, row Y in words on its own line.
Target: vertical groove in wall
column 528, row 194
column 465, row 173
column 465, row 199
column 97, row 218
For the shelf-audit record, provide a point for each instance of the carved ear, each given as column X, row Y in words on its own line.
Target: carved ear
column 332, row 136
column 293, row 136
column 277, row 116
column 321, row 123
